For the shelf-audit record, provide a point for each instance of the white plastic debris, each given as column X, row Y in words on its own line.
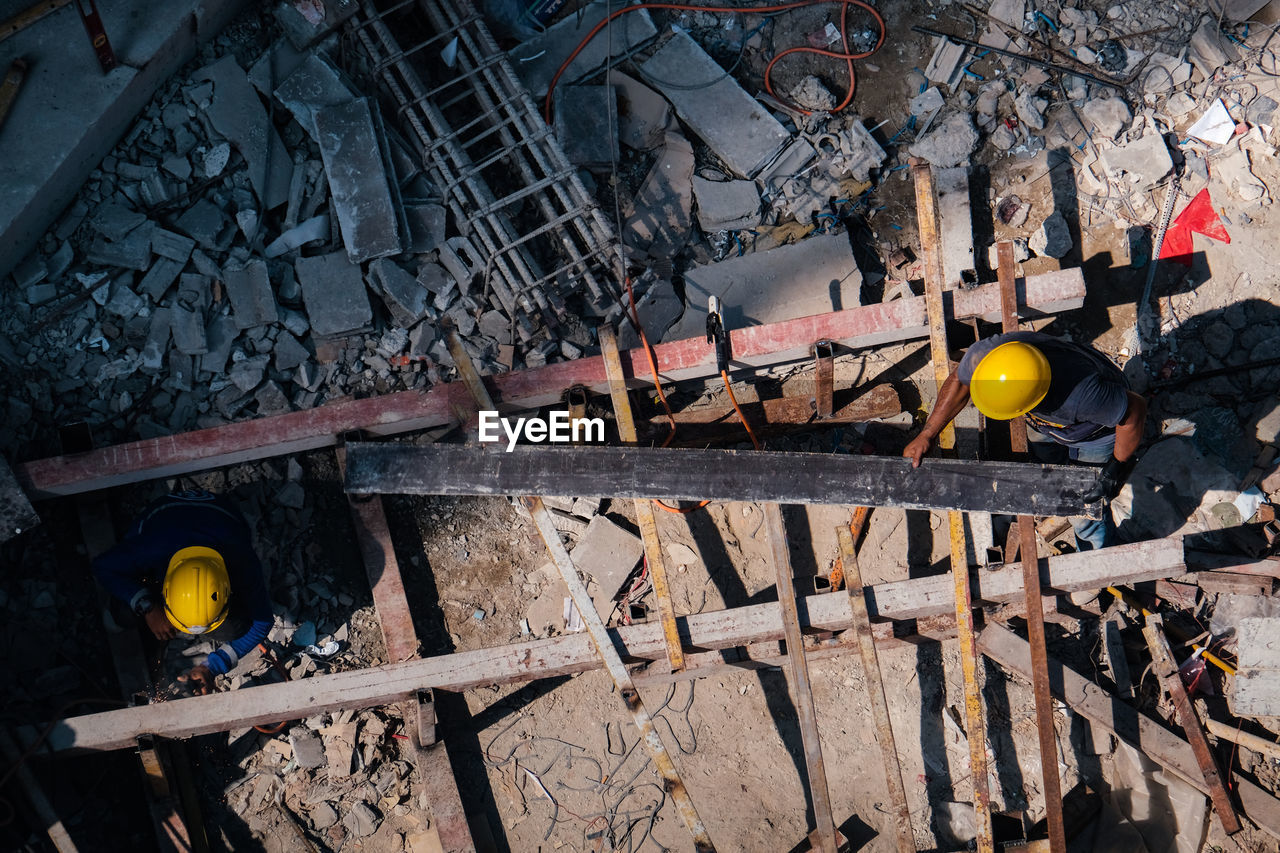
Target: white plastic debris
column 1216, row 125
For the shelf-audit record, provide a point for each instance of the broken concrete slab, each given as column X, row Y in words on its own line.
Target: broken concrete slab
column 813, row 276
column 315, row 228
column 358, row 184
column 306, row 23
column 955, row 226
column 406, row 299
column 132, row 252
column 188, row 331
column 334, row 294
column 238, row 114
column 308, row 751
column 205, row 223
column 220, row 336
column 159, row 278
column 124, row 303
column 174, row 247
column 643, row 114
column 658, row 308
column 586, row 124
column 289, row 352
column 1107, row 116
column 538, row 59
column 726, row 205
column 249, row 289
column 249, row 373
column 426, row 227
column 1053, row 238
column 660, row 217
column 1257, row 682
column 1145, row 160
column 313, row 85
column 157, row 343
column 741, row 132
column 947, row 61
column 114, row 221
column 607, row 553
column 950, row 143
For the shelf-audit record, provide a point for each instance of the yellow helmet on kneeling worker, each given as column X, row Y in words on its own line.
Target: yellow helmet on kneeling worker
column 197, row 590
column 1010, row 381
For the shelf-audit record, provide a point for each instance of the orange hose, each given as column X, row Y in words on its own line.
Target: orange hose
column 779, row 7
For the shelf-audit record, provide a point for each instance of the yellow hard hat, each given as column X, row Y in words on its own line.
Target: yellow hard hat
column 196, row 590
column 1010, row 381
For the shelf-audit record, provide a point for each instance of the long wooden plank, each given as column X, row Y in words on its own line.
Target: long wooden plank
column 721, row 475
column 645, row 519
column 824, row 834
column 1126, row 722
column 603, row 642
column 1166, row 670
column 572, row 653
column 409, row 411
column 875, row 690
column 1034, row 604
column 931, row 249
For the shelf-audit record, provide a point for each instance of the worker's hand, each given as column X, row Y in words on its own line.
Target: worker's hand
column 201, row 679
column 1110, row 479
column 916, row 450
column 159, row 624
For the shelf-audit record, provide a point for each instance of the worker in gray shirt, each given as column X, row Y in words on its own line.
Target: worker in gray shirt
column 1070, row 394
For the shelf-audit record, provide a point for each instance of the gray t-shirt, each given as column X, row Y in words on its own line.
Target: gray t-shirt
column 1087, row 396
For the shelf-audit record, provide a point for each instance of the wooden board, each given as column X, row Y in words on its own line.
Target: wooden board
column 567, row 654
column 721, row 475
column 407, row 411
column 1125, row 722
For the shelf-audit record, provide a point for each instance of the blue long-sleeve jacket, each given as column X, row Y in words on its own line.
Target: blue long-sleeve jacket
column 138, row 563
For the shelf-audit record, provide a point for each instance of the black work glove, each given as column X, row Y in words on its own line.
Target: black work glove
column 1110, row 479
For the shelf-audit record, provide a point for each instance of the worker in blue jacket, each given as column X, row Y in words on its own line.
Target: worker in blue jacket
column 184, row 566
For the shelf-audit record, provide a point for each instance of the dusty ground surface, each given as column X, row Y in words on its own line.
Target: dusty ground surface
column 555, row 765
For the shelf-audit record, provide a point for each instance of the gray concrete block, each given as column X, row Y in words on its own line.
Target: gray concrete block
column 124, row 303
column 157, row 343
column 586, row 124
column 205, row 223
column 114, row 221
column 406, row 299
column 955, row 226
column 536, row 60
column 188, row 332
column 734, row 125
column 288, row 352
column 305, row 30
column 726, row 205
column 607, row 553
column 159, row 278
column 195, row 291
column 1257, row 681
column 814, row 276
column 249, row 289
column 426, row 227
column 132, row 252
column 272, row 400
column 643, row 114
column 238, row 114
column 660, row 215
column 334, row 294
column 358, row 184
column 220, row 336
column 248, row 373
column 313, row 85
column 173, row 246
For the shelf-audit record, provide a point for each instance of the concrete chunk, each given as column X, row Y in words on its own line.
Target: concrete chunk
column 734, row 125
column 586, row 124
column 537, row 59
column 315, row 84
column 607, row 553
column 813, row 276
column 173, row 246
column 426, row 227
column 188, row 331
column 308, row 750
column 1145, row 160
column 334, row 294
column 114, row 221
column 726, row 205
column 660, row 216
column 237, row 114
column 157, row 343
column 249, row 289
column 124, row 303
column 205, row 223
column 315, row 228
column 132, row 252
column 288, row 352
column 1257, row 681
column 643, row 114
column 357, row 176
column 406, row 299
column 220, row 336
column 248, row 374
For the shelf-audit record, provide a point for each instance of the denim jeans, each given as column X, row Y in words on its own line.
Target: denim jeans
column 1090, row 533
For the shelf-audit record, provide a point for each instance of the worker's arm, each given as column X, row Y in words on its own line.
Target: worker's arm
column 952, row 398
column 248, row 584
column 1120, row 465
column 121, row 570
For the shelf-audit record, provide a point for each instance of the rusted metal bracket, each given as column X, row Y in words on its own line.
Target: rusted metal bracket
column 645, row 518
column 927, row 214
column 824, row 378
column 97, row 34
column 1026, row 542
column 1166, row 669
column 824, row 833
column 672, row 783
column 875, row 688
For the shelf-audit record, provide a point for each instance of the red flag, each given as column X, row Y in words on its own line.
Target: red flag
column 1198, row 217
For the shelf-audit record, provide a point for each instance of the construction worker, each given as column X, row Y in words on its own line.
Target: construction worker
column 184, row 567
column 1070, row 394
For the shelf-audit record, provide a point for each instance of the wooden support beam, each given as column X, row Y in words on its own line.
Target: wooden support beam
column 824, row 834
column 875, row 690
column 1166, row 670
column 916, row 599
column 645, row 519
column 720, row 475
column 409, row 411
column 1135, row 728
column 435, row 770
column 603, row 642
column 1034, row 605
column 772, row 417
column 931, row 248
